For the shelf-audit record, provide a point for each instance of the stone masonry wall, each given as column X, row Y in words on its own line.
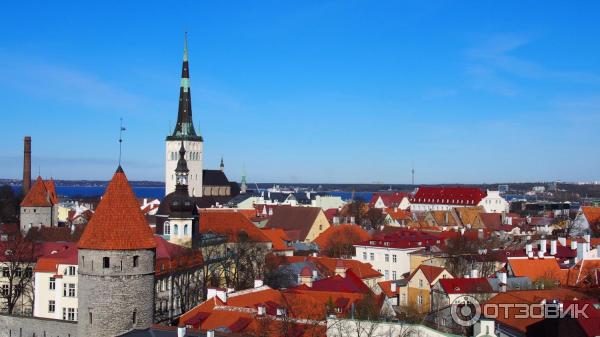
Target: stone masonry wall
column 11, row 326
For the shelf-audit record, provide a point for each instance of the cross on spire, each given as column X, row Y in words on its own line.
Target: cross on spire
column 121, row 129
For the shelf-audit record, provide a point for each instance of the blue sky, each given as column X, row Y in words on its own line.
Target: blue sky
column 307, row 91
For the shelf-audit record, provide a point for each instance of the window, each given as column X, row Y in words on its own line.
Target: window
column 372, row 256
column 185, row 230
column 51, row 306
column 69, row 290
column 420, row 283
column 175, row 230
column 403, row 299
column 387, row 275
column 18, row 272
column 5, row 290
column 387, row 257
column 69, row 314
column 90, row 317
column 134, row 316
column 106, row 262
column 52, row 284
column 167, row 228
column 136, row 261
column 420, row 300
column 364, row 255
column 394, row 275
column 5, row 272
column 394, row 258
column 70, row 271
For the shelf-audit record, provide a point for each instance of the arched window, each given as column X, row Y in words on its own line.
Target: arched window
column 185, row 230
column 176, row 230
column 167, row 228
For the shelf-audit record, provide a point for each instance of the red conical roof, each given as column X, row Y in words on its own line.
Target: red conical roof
column 41, row 194
column 118, row 223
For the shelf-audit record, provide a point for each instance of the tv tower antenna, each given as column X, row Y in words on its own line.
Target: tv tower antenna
column 413, row 173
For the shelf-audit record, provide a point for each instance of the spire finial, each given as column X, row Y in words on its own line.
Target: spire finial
column 121, row 129
column 185, row 47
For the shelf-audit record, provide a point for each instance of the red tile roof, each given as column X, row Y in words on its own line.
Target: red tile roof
column 326, row 265
column 403, row 238
column 171, row 257
column 592, row 215
column 466, row 285
column 49, row 262
column 430, row 272
column 349, row 284
column 386, row 288
column 232, row 224
column 41, row 194
column 448, row 195
column 118, row 223
column 389, row 199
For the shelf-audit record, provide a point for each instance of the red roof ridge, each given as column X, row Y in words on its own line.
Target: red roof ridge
column 118, row 223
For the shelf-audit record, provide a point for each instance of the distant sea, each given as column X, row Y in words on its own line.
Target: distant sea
column 159, row 192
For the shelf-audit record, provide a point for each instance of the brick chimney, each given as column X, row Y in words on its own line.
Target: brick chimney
column 26, row 165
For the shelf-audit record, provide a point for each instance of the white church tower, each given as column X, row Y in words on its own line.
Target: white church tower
column 184, row 131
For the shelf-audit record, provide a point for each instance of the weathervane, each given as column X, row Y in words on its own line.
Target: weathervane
column 121, row 129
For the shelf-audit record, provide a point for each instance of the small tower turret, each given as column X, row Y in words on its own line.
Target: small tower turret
column 117, row 253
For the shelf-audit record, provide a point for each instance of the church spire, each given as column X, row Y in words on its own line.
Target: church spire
column 185, row 125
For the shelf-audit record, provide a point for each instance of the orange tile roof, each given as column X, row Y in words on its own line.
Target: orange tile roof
column 341, row 232
column 41, row 194
column 386, row 288
column 528, row 297
column 584, row 274
column 592, row 215
column 535, row 268
column 118, row 223
column 232, row 224
column 326, row 265
column 278, row 237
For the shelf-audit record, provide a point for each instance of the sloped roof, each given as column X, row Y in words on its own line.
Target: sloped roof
column 171, row 257
column 230, row 223
column 466, row 285
column 296, row 220
column 41, row 194
column 278, row 237
column 214, row 178
column 347, row 230
column 448, row 195
column 535, row 268
column 430, row 272
column 389, row 199
column 403, row 238
column 584, row 274
column 592, row 215
column 326, row 265
column 49, row 262
column 118, row 223
column 491, row 221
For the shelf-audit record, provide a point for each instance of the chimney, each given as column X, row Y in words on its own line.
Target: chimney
column 587, row 238
column 581, row 250
column 540, row 254
column 573, row 244
column 26, row 165
column 480, row 234
column 217, row 292
column 474, row 273
column 181, row 331
column 543, row 246
column 462, row 231
column 563, row 241
column 262, row 310
column 530, row 255
column 502, row 277
column 258, row 283
column 598, row 251
column 528, row 248
column 210, row 333
column 394, row 287
column 553, row 247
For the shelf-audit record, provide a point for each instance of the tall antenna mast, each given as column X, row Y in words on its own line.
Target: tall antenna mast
column 121, row 129
column 413, row 173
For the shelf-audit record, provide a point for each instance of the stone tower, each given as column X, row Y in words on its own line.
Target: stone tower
column 117, row 253
column 184, row 131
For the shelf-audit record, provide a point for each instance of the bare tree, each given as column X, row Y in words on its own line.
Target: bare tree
column 16, row 280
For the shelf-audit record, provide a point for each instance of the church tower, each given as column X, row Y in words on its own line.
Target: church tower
column 181, row 226
column 117, row 254
column 184, row 131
